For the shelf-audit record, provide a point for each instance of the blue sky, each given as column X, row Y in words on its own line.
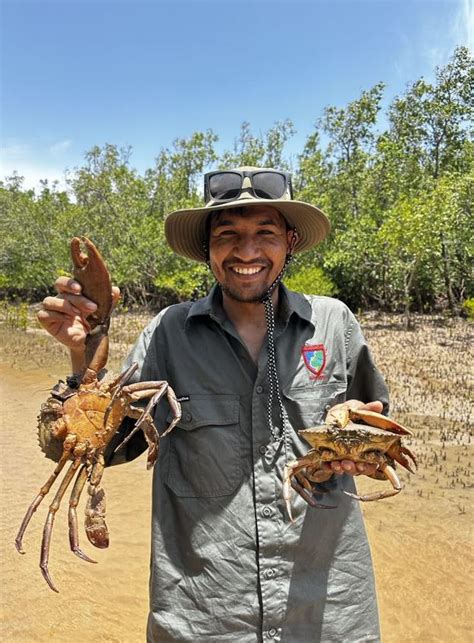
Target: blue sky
column 82, row 73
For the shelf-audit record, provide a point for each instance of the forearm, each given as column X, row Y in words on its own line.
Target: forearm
column 77, row 359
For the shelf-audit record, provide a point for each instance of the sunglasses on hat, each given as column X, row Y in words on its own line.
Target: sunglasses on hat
column 228, row 185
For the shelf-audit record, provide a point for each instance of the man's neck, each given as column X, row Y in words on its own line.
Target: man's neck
column 246, row 313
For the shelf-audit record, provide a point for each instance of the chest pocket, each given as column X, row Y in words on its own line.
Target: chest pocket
column 205, row 448
column 307, row 407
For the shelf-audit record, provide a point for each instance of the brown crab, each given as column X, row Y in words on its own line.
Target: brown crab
column 80, row 418
column 351, row 433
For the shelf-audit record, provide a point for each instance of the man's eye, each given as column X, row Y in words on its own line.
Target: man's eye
column 266, row 232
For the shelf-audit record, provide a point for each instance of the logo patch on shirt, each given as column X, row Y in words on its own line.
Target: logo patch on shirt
column 314, row 356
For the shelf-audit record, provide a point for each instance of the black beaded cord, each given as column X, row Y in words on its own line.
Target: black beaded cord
column 272, row 372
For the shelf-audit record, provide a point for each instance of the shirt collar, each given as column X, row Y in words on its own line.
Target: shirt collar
column 290, row 303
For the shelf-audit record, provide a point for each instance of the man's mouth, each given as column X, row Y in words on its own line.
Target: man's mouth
column 241, row 270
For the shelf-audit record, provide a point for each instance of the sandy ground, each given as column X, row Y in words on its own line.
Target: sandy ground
column 421, row 539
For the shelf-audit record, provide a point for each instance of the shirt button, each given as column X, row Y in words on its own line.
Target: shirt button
column 272, row 632
column 266, row 512
column 263, row 449
column 188, row 417
column 327, row 407
column 259, row 389
column 269, row 573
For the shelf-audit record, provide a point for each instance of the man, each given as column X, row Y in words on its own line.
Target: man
column 252, row 363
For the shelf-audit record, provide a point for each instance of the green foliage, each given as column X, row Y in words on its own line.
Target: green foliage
column 468, row 307
column 15, row 315
column 312, row 281
column 400, row 203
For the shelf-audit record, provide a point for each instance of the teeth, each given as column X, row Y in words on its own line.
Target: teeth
column 247, row 271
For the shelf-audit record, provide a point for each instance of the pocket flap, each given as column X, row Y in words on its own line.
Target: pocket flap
column 204, row 410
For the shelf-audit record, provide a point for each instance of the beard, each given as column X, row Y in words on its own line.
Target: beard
column 245, row 298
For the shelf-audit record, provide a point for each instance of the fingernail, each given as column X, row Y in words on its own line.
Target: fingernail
column 76, row 287
column 91, row 306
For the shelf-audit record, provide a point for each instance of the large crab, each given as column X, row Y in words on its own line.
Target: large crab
column 79, row 420
column 350, row 432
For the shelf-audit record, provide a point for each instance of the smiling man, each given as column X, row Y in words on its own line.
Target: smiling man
column 252, row 363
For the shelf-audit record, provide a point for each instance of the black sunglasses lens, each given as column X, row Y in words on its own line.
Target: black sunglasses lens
column 225, row 185
column 269, row 185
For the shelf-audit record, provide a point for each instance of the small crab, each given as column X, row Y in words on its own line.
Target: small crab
column 351, row 433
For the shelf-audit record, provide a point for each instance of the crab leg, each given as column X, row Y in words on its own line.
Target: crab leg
column 152, row 438
column 292, row 470
column 48, row 526
column 120, row 382
column 379, row 495
column 142, row 390
column 96, row 529
column 37, row 501
column 72, row 516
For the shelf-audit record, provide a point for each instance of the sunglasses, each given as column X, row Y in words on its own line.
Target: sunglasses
column 227, row 185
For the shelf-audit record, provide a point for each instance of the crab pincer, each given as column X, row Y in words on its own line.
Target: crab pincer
column 91, row 272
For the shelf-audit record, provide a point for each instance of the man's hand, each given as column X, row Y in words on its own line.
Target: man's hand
column 352, row 468
column 64, row 316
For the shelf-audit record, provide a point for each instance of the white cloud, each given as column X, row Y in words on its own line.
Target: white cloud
column 22, row 159
column 60, row 147
column 464, row 24
column 460, row 31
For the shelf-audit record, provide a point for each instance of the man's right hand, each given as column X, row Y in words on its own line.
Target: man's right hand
column 65, row 316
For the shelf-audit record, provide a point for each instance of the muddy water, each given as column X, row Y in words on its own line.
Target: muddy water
column 421, row 543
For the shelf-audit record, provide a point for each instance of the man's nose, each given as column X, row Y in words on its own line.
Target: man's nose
column 247, row 247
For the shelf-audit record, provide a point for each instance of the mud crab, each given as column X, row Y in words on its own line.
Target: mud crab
column 352, row 433
column 80, row 418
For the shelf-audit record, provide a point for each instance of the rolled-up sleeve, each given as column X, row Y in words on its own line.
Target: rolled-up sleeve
column 364, row 380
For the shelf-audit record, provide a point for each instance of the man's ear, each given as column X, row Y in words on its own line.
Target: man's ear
column 292, row 237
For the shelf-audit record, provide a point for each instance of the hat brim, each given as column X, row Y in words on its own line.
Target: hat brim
column 185, row 230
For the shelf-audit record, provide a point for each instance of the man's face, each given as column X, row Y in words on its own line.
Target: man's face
column 247, row 251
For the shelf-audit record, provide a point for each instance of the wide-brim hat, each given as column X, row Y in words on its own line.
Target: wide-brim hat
column 185, row 230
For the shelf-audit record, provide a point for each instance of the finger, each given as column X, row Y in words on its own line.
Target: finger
column 366, row 468
column 349, row 467
column 69, row 304
column 376, row 407
column 336, row 467
column 115, row 294
column 67, row 285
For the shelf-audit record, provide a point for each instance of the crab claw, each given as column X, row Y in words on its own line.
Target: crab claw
column 91, row 272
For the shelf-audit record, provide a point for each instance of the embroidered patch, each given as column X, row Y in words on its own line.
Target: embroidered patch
column 314, row 357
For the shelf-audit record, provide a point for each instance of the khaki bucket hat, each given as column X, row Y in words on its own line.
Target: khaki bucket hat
column 185, row 230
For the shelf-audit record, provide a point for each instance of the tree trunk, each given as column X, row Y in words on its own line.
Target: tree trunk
column 447, row 276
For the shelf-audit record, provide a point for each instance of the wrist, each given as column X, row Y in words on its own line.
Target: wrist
column 77, row 359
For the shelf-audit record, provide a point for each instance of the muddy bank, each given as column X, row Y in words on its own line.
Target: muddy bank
column 421, row 540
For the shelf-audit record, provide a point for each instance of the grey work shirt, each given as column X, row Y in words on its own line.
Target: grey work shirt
column 227, row 564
